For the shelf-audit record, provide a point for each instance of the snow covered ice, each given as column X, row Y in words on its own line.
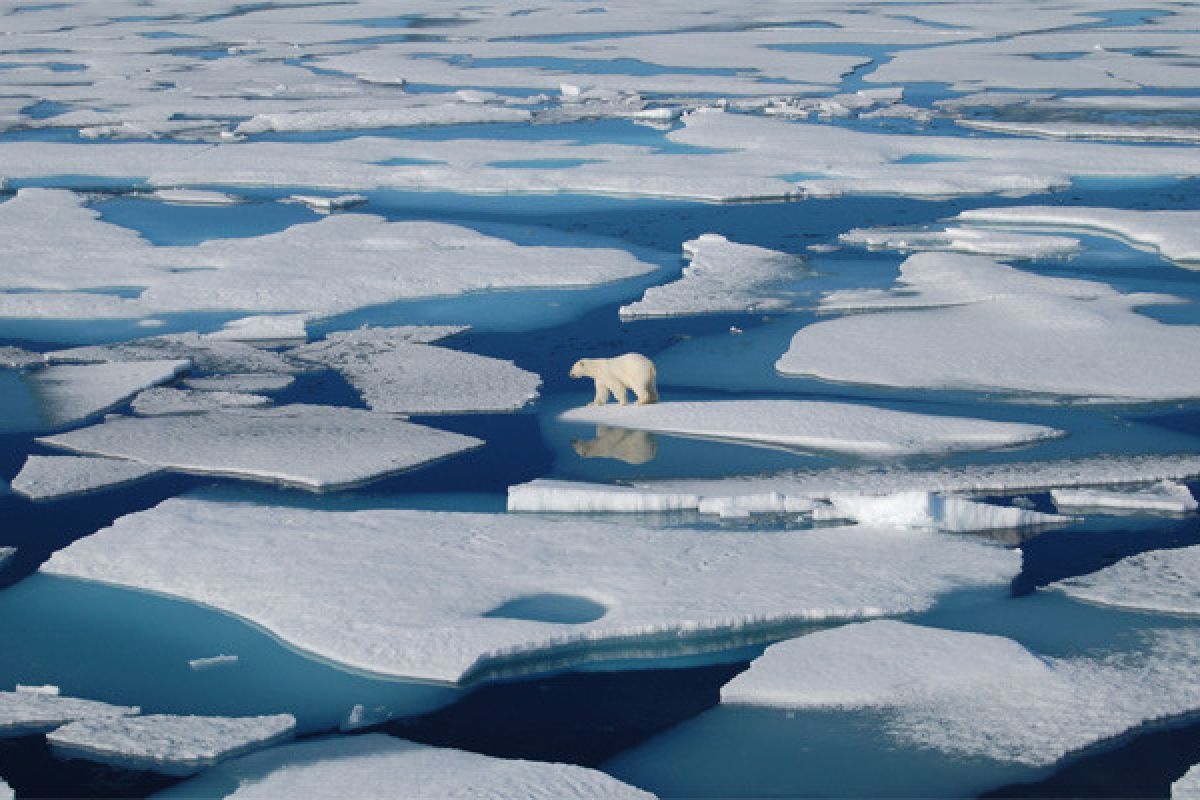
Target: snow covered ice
column 54, row 477
column 1164, row 496
column 27, row 712
column 1160, row 580
column 159, row 401
column 1187, row 787
column 69, row 393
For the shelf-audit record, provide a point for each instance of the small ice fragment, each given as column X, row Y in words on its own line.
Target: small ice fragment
column 47, row 689
column 329, row 204
column 196, row 197
column 212, row 662
column 361, row 717
column 1164, row 496
column 1187, row 787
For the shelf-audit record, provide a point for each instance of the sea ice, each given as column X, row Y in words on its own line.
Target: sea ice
column 25, row 712
column 264, row 328
column 376, row 765
column 1167, row 496
column 6, row 792
column 982, row 241
column 174, row 745
column 1187, row 787
column 929, row 511
column 1159, row 580
column 212, row 662
column 163, row 400
column 314, row 447
column 839, row 427
column 6, row 553
column 975, row 695
column 326, row 205
column 54, row 477
column 1056, row 129
column 723, row 276
column 987, row 326
column 197, row 197
column 68, row 393
column 241, row 382
column 205, row 352
column 403, row 117
column 427, row 581
column 16, row 358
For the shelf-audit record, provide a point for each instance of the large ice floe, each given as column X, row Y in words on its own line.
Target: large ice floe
column 839, row 427
column 1159, row 580
column 29, row 711
column 1187, row 787
column 967, row 322
column 376, row 765
column 398, row 370
column 455, row 596
column 174, row 745
column 723, row 276
column 54, row 477
column 1164, row 496
column 68, row 393
column 314, row 447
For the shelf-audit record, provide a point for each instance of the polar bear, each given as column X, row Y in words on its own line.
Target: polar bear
column 632, row 371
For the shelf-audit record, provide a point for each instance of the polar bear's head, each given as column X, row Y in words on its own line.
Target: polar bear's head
column 579, row 369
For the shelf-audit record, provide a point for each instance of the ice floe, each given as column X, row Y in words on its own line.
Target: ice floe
column 204, row 352
column 414, row 116
column 165, row 400
column 982, row 241
column 264, row 328
column 241, row 382
column 1087, row 130
column 6, row 553
column 1158, row 580
column 196, row 197
column 397, row 371
column 53, row 477
column 25, row 712
column 974, row 695
column 434, row 585
column 6, row 792
column 16, row 357
column 839, row 427
column 723, row 276
column 376, row 765
column 314, row 447
column 326, row 205
column 212, row 662
column 986, row 326
column 1167, row 496
column 1187, row 787
column 174, row 745
column 68, row 393
column 929, row 511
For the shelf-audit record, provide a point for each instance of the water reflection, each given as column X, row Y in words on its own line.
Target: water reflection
column 632, row 447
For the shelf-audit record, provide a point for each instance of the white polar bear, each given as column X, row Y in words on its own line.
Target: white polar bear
column 632, row 371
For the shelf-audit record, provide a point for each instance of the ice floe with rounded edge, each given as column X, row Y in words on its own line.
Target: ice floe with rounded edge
column 54, row 477
column 929, row 511
column 975, row 695
column 1187, row 787
column 1164, row 496
column 958, row 239
column 427, row 581
column 203, row 351
column 241, row 382
column 376, row 765
column 838, row 427
column 166, row 400
column 173, row 745
column 396, row 371
column 68, row 393
column 1173, row 234
column 313, row 447
column 723, row 276
column 1166, row 581
column 987, row 326
column 29, row 711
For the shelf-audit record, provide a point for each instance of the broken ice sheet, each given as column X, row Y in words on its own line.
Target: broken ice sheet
column 25, row 712
column 982, row 241
column 1163, row 497
column 54, row 477
column 68, row 393
column 165, row 400
column 1162, row 581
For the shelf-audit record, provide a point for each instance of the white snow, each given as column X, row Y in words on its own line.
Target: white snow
column 397, row 372
column 54, row 477
column 723, row 276
column 163, row 400
column 839, row 427
column 204, row 352
column 23, row 713
column 197, row 197
column 987, row 326
column 326, row 205
column 1174, row 234
column 241, row 382
column 314, row 447
column 929, row 511
column 1167, row 496
column 1158, row 580
column 983, row 241
column 1187, row 787
column 70, row 393
column 376, row 765
column 174, row 745
column 975, row 695
column 424, row 581
column 264, row 328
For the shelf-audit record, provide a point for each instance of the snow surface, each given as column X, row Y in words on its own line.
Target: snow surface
column 241, row 382
column 1163, row 496
column 411, row 117
column 397, row 372
column 1159, row 580
column 987, row 326
column 1187, row 787
column 174, row 745
column 376, row 765
column 975, row 695
column 426, row 580
column 264, row 328
column 54, row 477
column 839, row 427
column 25, row 712
column 723, row 276
column 68, row 393
column 314, row 447
column 164, row 400
column 982, row 241
column 204, row 352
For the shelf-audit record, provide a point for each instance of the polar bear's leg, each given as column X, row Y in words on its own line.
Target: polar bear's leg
column 618, row 390
column 646, row 394
column 601, row 393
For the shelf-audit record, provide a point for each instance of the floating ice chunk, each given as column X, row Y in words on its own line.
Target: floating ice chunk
column 197, row 197
column 929, row 511
column 839, row 427
column 396, row 373
column 6, row 792
column 54, row 477
column 264, row 328
column 376, row 765
column 989, row 326
column 1159, row 580
column 545, row 495
column 159, row 401
column 965, row 240
column 314, row 447
column 329, row 204
column 723, row 276
column 1174, row 234
column 70, row 393
column 1187, row 787
column 204, row 352
column 23, row 713
column 212, row 662
column 241, row 382
column 1057, row 129
column 173, row 745
column 15, row 357
column 427, row 581
column 6, row 553
column 361, row 717
column 974, row 695
column 403, row 117
column 1165, row 496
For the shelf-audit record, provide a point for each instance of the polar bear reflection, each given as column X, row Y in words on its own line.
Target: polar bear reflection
column 632, row 447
